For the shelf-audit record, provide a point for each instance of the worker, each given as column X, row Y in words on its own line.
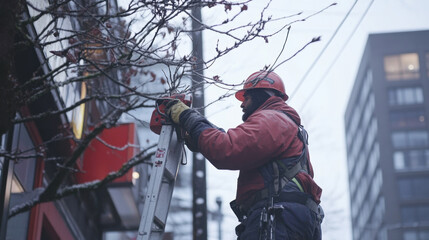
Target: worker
column 277, row 197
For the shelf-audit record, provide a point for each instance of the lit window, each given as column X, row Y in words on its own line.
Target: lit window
column 402, row 67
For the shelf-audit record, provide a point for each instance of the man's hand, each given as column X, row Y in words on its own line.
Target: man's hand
column 174, row 108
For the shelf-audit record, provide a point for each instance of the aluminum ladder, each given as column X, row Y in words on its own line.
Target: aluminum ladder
column 168, row 156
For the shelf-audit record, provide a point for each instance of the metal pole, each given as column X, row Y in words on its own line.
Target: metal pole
column 6, row 184
column 199, row 205
column 219, row 217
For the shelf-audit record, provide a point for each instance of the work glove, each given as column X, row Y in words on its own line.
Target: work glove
column 174, row 108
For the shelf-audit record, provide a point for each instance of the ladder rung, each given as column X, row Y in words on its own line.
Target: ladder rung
column 159, row 224
column 168, row 175
column 167, row 180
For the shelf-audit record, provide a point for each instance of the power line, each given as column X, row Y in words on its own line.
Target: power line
column 336, row 57
column 323, row 50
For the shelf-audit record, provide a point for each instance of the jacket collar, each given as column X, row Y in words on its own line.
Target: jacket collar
column 278, row 104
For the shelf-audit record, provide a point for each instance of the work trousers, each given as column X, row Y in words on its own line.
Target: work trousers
column 294, row 222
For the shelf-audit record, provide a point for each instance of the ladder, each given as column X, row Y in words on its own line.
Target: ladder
column 168, row 157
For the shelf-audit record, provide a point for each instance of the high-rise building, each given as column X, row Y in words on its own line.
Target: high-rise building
column 387, row 134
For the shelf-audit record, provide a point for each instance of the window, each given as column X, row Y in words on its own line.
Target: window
column 413, row 188
column 367, row 83
column 409, row 118
column 415, row 214
column 376, row 186
column 415, row 138
column 354, row 121
column 26, row 162
column 382, row 235
column 410, row 235
column 405, row 96
column 427, row 64
column 374, row 159
column 402, row 67
column 416, row 235
column 411, row 160
column 368, row 111
column 398, row 160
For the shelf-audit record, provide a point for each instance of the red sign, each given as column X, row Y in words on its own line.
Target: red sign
column 108, row 152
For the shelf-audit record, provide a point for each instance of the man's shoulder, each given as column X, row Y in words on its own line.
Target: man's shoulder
column 270, row 112
column 277, row 116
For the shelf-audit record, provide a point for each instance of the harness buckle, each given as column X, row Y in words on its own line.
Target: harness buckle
column 275, row 210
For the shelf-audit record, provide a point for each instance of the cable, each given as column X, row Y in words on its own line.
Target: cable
column 323, row 50
column 336, row 57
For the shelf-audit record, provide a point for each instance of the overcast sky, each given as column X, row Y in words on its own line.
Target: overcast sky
column 323, row 94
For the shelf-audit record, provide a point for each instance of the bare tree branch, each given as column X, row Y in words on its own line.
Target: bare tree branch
column 68, row 190
column 108, row 62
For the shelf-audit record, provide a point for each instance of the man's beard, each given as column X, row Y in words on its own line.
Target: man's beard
column 248, row 111
column 258, row 98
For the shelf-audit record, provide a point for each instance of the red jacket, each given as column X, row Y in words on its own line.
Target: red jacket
column 266, row 135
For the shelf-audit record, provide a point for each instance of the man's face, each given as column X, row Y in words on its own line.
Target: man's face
column 247, row 103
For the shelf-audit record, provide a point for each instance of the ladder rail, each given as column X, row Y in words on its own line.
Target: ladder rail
column 161, row 184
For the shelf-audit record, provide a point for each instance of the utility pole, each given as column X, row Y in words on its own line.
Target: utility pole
column 199, row 204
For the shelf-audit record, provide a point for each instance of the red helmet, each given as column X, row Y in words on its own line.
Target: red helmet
column 263, row 79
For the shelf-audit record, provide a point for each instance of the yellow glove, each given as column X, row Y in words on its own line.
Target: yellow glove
column 174, row 108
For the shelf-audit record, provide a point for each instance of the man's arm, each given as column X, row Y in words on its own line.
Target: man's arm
column 264, row 136
column 194, row 124
column 189, row 120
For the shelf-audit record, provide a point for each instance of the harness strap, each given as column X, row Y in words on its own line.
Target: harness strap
column 277, row 173
column 260, row 195
column 276, row 178
column 303, row 198
column 290, row 173
column 298, row 197
column 298, row 184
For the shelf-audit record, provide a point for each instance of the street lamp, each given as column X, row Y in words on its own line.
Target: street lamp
column 219, row 216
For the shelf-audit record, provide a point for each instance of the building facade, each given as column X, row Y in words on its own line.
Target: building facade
column 50, row 125
column 387, row 135
column 65, row 66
